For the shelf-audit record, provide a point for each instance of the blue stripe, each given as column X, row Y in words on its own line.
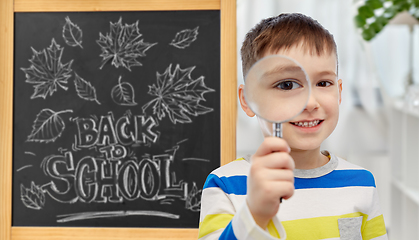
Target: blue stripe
column 338, row 179
column 230, row 185
column 228, row 233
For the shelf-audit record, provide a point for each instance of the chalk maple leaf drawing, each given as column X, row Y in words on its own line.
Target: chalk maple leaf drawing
column 178, row 95
column 123, row 45
column 47, row 72
column 48, row 126
column 33, row 197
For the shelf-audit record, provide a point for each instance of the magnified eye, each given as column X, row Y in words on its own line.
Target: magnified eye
column 288, row 85
column 323, row 84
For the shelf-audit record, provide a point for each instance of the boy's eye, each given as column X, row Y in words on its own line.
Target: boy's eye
column 323, row 84
column 288, row 85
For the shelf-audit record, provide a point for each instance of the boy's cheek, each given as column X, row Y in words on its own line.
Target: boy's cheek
column 329, row 98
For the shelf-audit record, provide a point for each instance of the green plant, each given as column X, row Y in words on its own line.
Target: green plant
column 374, row 15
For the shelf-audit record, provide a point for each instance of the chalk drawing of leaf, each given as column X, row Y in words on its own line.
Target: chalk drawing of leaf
column 123, row 45
column 72, row 33
column 123, row 94
column 184, row 38
column 47, row 127
column 193, row 200
column 177, row 95
column 33, row 198
column 84, row 89
column 47, row 71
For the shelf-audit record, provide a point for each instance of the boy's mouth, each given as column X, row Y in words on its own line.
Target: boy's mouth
column 307, row 124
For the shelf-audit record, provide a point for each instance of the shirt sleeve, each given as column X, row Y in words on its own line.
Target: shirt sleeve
column 374, row 227
column 221, row 219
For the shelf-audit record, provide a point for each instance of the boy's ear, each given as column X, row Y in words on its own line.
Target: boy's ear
column 340, row 90
column 243, row 102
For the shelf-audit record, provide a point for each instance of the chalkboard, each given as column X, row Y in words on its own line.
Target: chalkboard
column 116, row 117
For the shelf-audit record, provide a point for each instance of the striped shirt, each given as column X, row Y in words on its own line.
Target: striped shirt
column 336, row 201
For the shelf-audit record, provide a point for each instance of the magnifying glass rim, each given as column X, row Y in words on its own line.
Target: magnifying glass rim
column 298, row 64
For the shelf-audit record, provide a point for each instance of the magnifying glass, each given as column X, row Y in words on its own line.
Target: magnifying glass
column 277, row 89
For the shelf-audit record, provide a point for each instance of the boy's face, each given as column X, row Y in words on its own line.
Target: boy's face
column 318, row 120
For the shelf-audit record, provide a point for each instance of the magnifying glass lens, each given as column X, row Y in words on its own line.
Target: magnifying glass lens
column 277, row 88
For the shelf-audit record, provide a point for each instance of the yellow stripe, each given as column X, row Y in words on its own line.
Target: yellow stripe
column 238, row 159
column 317, row 228
column 213, row 222
column 314, row 228
column 374, row 228
column 272, row 230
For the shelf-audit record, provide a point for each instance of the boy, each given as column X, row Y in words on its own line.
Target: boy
column 324, row 197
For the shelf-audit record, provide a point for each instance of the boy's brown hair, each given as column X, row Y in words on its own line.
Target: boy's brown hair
column 283, row 32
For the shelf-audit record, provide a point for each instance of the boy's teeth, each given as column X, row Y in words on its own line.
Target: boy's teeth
column 307, row 124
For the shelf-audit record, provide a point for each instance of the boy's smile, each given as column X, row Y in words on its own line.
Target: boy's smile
column 308, row 125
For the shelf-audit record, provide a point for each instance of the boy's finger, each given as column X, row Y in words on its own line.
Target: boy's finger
column 278, row 160
column 279, row 175
column 286, row 189
column 272, row 144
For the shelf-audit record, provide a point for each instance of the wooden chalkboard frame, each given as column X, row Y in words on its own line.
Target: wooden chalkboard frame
column 228, row 106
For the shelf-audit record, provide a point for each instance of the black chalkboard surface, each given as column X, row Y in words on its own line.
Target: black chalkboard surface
column 116, row 117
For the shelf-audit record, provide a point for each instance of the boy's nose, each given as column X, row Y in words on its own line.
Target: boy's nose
column 312, row 103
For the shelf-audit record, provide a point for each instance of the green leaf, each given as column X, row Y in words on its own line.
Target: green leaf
column 405, row 6
column 368, row 34
column 382, row 20
column 366, row 11
column 395, row 2
column 401, row 5
column 360, row 21
column 376, row 26
column 374, row 4
column 390, row 12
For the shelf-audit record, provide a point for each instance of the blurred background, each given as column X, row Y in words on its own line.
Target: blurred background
column 379, row 116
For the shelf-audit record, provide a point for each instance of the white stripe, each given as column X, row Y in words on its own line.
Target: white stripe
column 234, row 168
column 207, row 203
column 242, row 167
column 375, row 206
column 345, row 165
column 238, row 200
column 244, row 220
column 326, row 202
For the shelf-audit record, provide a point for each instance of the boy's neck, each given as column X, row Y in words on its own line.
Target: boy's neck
column 308, row 159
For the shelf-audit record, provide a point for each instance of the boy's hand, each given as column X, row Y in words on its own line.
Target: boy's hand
column 271, row 177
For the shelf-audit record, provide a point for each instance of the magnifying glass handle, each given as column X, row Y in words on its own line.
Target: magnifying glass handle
column 277, row 130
